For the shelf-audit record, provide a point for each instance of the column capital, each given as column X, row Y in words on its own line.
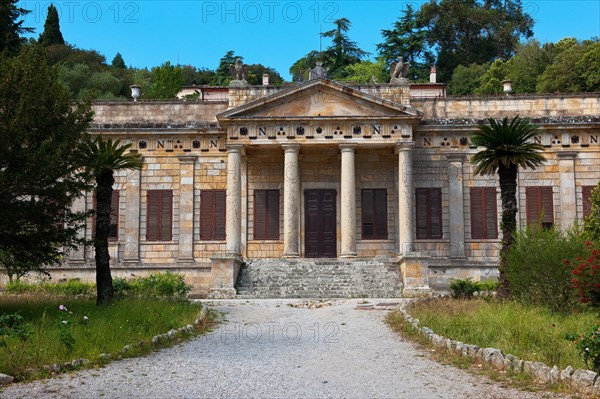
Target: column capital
column 566, row 154
column 234, row 148
column 187, row 158
column 455, row 157
column 404, row 146
column 345, row 147
column 291, row 147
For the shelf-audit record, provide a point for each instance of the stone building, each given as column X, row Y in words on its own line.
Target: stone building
column 323, row 189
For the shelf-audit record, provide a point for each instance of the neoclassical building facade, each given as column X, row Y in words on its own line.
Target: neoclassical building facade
column 319, row 170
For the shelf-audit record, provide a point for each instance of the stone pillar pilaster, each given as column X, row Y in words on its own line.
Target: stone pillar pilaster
column 456, row 209
column 291, row 202
column 186, row 209
column 568, row 204
column 233, row 226
column 406, row 226
column 77, row 256
column 132, row 218
column 348, row 202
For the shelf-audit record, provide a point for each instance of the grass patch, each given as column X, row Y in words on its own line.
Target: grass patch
column 85, row 330
column 528, row 332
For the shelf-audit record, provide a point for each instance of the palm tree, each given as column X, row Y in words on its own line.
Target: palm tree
column 507, row 147
column 102, row 158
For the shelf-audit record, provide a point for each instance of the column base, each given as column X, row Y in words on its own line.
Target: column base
column 223, row 275
column 291, row 256
column 415, row 274
column 186, row 260
column 348, row 255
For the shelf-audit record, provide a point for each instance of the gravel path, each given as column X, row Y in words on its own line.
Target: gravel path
column 269, row 349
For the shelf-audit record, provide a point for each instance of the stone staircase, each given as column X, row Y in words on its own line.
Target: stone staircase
column 319, row 278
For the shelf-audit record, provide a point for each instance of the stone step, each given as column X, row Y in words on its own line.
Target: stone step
column 276, row 278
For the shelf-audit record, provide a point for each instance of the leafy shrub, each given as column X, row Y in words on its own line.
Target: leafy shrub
column 586, row 277
column 163, row 285
column 464, row 289
column 67, row 288
column 121, row 287
column 589, row 348
column 536, row 267
column 591, row 225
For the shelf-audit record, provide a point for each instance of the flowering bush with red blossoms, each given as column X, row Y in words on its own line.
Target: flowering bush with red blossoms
column 586, row 277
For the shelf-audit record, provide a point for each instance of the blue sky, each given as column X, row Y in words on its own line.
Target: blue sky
column 274, row 33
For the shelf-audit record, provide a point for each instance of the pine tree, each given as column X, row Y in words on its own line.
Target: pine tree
column 118, row 62
column 10, row 27
column 51, row 34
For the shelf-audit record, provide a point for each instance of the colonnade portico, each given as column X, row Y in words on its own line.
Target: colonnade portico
column 292, row 196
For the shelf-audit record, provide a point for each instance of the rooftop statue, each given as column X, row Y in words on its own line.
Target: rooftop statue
column 399, row 70
column 317, row 72
column 238, row 71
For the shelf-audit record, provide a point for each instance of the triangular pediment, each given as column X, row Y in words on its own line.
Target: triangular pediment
column 319, row 98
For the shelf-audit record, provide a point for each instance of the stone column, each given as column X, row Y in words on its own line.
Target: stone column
column 568, row 203
column 291, row 202
column 77, row 256
column 456, row 208
column 406, row 226
column 414, row 267
column 132, row 217
column 186, row 208
column 348, row 202
column 233, row 227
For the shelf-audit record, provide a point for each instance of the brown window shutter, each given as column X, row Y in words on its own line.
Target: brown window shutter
column 436, row 213
column 368, row 223
column 260, row 207
column 207, row 206
column 152, row 215
column 491, row 213
column 113, row 233
column 540, row 206
column 166, row 215
column 422, row 204
column 586, row 192
column 272, row 213
column 380, row 212
column 477, row 213
column 484, row 213
column 219, row 212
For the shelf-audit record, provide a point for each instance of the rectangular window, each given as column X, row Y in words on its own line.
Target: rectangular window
column 266, row 214
column 586, row 192
column 113, row 232
column 429, row 213
column 212, row 215
column 159, row 215
column 540, row 208
column 374, row 214
column 484, row 213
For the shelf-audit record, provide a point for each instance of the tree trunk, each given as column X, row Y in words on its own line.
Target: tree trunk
column 508, row 223
column 104, row 287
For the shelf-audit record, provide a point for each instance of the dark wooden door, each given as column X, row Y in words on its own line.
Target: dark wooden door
column 319, row 224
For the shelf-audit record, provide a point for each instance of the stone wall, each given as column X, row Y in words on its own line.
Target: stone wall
column 148, row 112
column 501, row 106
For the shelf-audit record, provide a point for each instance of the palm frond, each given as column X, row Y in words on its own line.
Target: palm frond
column 506, row 143
column 103, row 155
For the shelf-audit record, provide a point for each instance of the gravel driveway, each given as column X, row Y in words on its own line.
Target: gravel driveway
column 269, row 349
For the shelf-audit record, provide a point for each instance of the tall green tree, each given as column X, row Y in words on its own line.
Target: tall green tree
column 343, row 51
column 222, row 76
column 167, row 81
column 11, row 26
column 463, row 32
column 465, row 79
column 118, row 62
column 526, row 66
column 102, row 159
column 507, row 148
column 299, row 70
column 41, row 133
column 51, row 34
column 407, row 39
